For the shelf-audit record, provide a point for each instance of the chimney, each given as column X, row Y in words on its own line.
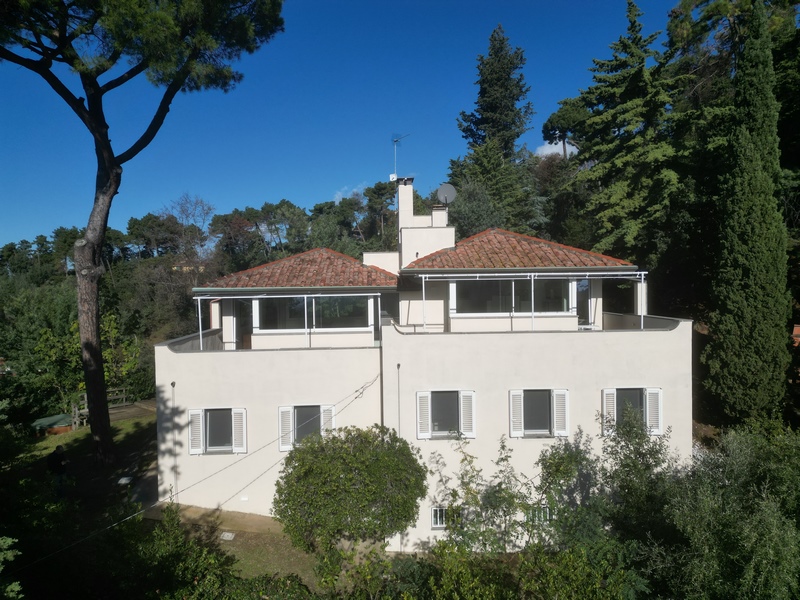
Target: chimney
column 405, row 202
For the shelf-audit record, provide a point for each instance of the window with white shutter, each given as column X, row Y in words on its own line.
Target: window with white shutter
column 538, row 413
column 297, row 422
column 646, row 403
column 217, row 431
column 446, row 414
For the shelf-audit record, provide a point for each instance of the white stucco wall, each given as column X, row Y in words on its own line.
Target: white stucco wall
column 491, row 364
column 260, row 382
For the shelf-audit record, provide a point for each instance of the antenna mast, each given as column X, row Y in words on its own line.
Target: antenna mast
column 396, row 140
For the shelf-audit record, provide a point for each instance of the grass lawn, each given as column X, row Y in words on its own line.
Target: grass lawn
column 93, row 501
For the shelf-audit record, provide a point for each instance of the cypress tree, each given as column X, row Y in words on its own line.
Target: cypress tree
column 747, row 355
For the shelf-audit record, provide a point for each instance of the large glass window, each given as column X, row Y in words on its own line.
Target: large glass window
column 551, row 295
column 323, row 312
column 493, row 296
column 282, row 313
column 332, row 312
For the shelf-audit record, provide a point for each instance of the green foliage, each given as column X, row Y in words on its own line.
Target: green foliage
column 737, row 510
column 501, row 112
column 474, row 212
column 573, row 573
column 747, row 354
column 10, row 590
column 354, row 485
column 626, row 147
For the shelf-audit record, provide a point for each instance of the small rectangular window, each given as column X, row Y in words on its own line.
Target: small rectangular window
column 630, row 401
column 438, row 517
column 444, row 413
column 537, row 412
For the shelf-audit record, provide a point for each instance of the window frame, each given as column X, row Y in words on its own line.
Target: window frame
column 438, row 517
column 310, row 310
column 653, row 413
column 466, row 415
column 559, row 414
column 198, row 423
column 287, row 426
column 531, row 284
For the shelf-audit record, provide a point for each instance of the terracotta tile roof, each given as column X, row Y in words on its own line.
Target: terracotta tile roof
column 318, row 268
column 498, row 249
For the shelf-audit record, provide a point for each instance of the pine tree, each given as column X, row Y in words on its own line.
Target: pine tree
column 627, row 148
column 501, row 113
column 747, row 355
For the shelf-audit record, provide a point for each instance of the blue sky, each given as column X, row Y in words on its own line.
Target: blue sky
column 313, row 119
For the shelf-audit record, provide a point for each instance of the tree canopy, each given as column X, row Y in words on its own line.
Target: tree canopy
column 99, row 48
column 501, row 110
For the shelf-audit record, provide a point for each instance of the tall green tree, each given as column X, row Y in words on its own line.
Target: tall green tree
column 502, row 112
column 627, row 148
column 177, row 46
column 747, row 355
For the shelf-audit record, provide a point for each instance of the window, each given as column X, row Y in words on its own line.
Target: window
column 314, row 312
column 539, row 413
column 551, row 295
column 543, row 513
column 282, row 313
column 298, row 422
column 217, row 431
column 493, row 296
column 438, row 517
column 644, row 401
column 445, row 414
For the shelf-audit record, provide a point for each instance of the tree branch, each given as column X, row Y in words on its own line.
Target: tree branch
column 137, row 69
column 161, row 112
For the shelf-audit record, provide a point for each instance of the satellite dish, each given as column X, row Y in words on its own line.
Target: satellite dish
column 446, row 193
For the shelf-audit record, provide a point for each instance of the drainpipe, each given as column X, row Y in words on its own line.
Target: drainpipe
column 379, row 325
column 174, row 447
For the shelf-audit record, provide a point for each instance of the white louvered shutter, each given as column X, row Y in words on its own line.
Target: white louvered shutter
column 423, row 415
column 515, row 408
column 467, row 413
column 286, row 425
column 239, row 418
column 609, row 409
column 653, row 398
column 327, row 421
column 560, row 413
column 196, row 432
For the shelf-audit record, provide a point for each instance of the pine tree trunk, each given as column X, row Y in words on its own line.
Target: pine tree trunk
column 89, row 269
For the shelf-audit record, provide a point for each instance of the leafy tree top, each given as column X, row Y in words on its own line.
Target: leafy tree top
column 181, row 46
column 501, row 112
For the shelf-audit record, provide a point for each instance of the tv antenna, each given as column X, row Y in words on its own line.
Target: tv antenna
column 396, row 137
